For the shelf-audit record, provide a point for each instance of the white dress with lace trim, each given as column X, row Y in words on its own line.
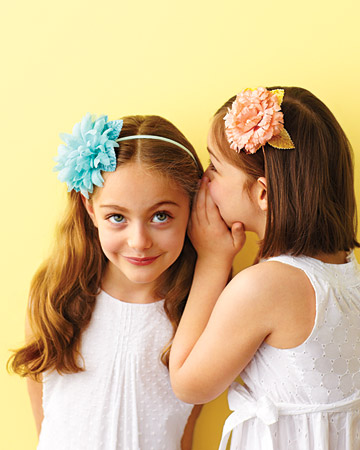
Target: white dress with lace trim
column 308, row 397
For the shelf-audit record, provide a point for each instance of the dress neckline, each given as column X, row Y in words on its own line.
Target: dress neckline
column 134, row 304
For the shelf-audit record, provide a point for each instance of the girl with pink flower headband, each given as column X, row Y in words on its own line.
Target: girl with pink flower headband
column 280, row 166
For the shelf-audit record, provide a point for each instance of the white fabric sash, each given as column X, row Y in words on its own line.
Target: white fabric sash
column 245, row 407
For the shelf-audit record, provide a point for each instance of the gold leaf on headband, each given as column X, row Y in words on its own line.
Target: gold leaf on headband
column 282, row 141
column 279, row 94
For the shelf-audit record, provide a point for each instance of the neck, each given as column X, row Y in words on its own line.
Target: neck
column 333, row 258
column 119, row 287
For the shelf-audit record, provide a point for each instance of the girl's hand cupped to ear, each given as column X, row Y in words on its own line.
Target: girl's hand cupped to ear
column 208, row 232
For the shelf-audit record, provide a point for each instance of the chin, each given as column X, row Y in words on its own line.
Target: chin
column 146, row 279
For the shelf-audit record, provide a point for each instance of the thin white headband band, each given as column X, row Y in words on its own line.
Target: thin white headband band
column 158, row 138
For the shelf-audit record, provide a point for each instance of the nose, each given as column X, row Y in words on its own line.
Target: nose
column 139, row 237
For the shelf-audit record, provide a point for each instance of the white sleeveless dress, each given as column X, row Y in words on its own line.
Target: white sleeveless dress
column 308, row 397
column 123, row 400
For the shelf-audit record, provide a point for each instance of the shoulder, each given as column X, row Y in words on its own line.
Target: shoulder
column 270, row 277
column 272, row 290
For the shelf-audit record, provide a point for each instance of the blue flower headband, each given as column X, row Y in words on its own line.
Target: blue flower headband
column 89, row 150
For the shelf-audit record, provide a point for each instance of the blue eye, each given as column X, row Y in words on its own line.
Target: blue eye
column 161, row 217
column 117, row 218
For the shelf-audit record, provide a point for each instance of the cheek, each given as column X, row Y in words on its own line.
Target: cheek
column 174, row 238
column 108, row 240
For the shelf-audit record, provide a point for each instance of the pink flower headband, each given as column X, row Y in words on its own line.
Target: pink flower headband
column 255, row 119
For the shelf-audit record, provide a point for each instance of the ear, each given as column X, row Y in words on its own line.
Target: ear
column 261, row 193
column 89, row 208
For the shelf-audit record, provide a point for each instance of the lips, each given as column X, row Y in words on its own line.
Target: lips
column 141, row 261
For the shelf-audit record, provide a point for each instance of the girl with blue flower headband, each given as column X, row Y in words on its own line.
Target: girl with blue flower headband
column 104, row 307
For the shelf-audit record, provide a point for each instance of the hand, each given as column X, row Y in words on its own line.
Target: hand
column 209, row 233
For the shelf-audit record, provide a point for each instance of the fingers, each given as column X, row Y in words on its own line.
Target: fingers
column 205, row 211
column 208, row 232
column 212, row 211
column 199, row 208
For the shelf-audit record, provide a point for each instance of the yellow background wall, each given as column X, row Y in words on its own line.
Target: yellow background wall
column 181, row 60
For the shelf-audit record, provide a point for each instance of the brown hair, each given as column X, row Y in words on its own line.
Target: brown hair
column 310, row 190
column 63, row 291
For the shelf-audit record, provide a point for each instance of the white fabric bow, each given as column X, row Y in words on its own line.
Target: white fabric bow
column 245, row 407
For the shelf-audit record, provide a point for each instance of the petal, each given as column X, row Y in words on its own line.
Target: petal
column 86, row 125
column 99, row 124
column 116, row 126
column 96, row 178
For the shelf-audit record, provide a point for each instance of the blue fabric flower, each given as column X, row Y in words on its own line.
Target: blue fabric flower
column 88, row 151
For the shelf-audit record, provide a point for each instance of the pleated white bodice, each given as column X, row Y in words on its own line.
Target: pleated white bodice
column 123, row 400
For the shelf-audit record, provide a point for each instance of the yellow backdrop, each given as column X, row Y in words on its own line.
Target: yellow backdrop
column 181, row 60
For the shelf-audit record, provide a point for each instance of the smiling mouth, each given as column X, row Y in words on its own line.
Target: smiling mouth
column 141, row 261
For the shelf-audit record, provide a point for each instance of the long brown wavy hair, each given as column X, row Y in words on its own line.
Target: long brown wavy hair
column 64, row 289
column 311, row 198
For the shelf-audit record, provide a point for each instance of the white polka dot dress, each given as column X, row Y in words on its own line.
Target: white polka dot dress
column 123, row 400
column 308, row 397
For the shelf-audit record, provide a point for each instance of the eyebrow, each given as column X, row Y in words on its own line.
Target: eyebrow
column 212, row 154
column 155, row 206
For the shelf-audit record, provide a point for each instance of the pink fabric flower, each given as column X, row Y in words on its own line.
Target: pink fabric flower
column 254, row 118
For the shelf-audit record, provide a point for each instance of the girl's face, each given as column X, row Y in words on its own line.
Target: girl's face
column 229, row 190
column 141, row 219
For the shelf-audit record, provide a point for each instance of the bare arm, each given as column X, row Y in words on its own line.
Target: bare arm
column 203, row 368
column 216, row 246
column 210, row 237
column 223, row 326
column 35, row 394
